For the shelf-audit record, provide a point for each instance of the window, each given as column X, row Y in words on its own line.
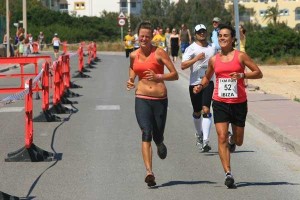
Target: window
column 63, row 6
column 79, row 6
column 123, row 4
column 133, row 4
column 284, row 12
column 262, row 13
column 297, row 13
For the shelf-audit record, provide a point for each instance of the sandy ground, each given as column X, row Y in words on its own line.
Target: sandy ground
column 281, row 80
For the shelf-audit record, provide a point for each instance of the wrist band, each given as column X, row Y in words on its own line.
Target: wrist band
column 242, row 75
column 159, row 76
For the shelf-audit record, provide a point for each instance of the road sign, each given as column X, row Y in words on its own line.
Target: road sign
column 121, row 15
column 121, row 19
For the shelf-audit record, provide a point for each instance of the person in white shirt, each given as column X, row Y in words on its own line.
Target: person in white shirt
column 196, row 58
column 56, row 42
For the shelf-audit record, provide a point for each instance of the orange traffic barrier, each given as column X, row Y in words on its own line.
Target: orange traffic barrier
column 22, row 61
column 30, row 152
column 81, row 69
column 65, row 47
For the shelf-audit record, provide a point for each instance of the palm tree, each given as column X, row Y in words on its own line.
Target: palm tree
column 272, row 14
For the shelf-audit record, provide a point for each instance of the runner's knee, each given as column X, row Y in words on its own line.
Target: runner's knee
column 196, row 115
column 206, row 115
column 146, row 136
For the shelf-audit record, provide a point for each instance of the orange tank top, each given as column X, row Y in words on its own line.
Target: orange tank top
column 150, row 63
column 226, row 89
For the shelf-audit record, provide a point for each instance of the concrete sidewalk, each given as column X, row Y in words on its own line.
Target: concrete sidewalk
column 277, row 116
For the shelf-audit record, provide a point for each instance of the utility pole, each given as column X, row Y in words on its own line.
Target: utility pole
column 7, row 30
column 237, row 22
column 128, row 12
column 25, row 16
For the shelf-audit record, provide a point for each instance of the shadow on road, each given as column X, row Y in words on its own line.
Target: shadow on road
column 172, row 183
column 245, row 184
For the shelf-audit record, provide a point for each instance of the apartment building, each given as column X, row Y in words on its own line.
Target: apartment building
column 94, row 7
column 289, row 11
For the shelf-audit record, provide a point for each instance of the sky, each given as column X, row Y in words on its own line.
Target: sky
column 110, row 5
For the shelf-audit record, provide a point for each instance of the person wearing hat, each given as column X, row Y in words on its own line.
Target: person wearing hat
column 56, row 42
column 214, row 34
column 41, row 39
column 196, row 58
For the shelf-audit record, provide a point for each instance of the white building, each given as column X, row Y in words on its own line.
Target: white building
column 94, row 7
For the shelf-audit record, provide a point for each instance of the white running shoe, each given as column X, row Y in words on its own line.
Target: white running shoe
column 199, row 139
column 229, row 180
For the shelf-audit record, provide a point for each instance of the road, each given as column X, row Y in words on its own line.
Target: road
column 99, row 150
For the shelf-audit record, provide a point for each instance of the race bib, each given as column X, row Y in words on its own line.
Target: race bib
column 227, row 88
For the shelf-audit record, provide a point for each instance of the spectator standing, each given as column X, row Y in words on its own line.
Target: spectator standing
column 151, row 101
column 136, row 42
column 196, row 58
column 41, row 40
column 56, row 43
column 229, row 97
column 214, row 35
column 11, row 49
column 168, row 44
column 185, row 37
column 174, row 42
column 128, row 43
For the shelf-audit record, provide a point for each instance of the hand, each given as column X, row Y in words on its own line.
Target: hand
column 197, row 89
column 150, row 75
column 236, row 75
column 201, row 56
column 130, row 84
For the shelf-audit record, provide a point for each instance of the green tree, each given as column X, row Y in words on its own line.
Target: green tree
column 272, row 14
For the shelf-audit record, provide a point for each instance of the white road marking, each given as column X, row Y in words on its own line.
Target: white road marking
column 108, row 107
column 11, row 109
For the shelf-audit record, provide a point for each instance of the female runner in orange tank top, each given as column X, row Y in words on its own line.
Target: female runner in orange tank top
column 229, row 98
column 151, row 100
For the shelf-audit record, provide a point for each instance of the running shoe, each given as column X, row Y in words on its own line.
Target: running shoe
column 231, row 147
column 162, row 151
column 229, row 180
column 205, row 147
column 199, row 139
column 150, row 180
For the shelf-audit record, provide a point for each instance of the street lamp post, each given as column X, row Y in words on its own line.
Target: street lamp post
column 7, row 30
column 128, row 13
column 25, row 16
column 237, row 22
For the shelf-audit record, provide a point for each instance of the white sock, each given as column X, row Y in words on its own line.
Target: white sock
column 198, row 125
column 206, row 124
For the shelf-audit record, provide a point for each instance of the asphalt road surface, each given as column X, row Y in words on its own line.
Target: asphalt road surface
column 98, row 149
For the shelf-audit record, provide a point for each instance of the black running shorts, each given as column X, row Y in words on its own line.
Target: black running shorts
column 234, row 113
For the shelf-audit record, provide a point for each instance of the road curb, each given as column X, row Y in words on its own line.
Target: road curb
column 277, row 134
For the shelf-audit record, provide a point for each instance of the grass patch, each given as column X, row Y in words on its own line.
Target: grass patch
column 296, row 99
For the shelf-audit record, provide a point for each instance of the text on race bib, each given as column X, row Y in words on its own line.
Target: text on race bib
column 227, row 88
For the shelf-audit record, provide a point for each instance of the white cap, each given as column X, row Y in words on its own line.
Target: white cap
column 55, row 34
column 199, row 27
column 216, row 19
